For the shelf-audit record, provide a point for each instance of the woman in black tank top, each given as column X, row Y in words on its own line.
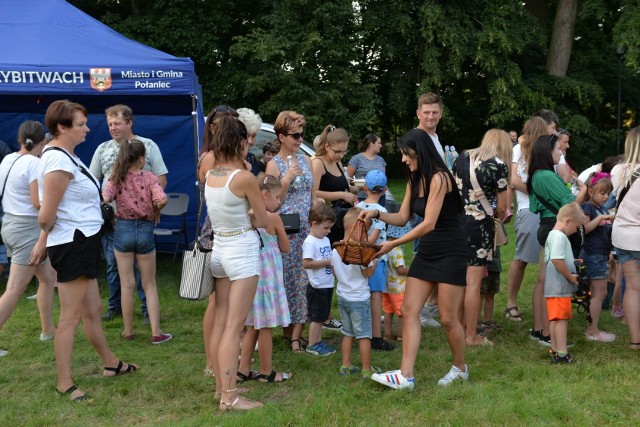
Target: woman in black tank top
column 329, row 180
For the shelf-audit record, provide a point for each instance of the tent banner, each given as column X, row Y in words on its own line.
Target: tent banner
column 168, row 79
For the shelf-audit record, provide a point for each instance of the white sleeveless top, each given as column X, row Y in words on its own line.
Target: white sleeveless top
column 228, row 212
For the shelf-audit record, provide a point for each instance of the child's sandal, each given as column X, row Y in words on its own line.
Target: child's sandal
column 298, row 344
column 634, row 345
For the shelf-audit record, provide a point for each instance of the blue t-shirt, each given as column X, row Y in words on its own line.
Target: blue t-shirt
column 598, row 242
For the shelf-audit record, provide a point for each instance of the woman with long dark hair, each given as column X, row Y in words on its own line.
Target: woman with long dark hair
column 547, row 194
column 440, row 262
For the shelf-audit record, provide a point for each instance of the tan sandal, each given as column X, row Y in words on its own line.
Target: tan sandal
column 299, row 345
column 509, row 314
column 240, row 404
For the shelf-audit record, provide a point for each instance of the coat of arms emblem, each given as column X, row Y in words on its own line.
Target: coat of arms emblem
column 100, row 78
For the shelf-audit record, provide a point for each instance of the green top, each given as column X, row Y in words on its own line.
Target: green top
column 548, row 185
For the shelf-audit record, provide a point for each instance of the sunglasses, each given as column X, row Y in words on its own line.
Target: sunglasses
column 224, row 110
column 296, row 136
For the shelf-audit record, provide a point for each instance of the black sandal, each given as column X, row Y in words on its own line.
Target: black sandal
column 271, row 378
column 70, row 390
column 119, row 371
column 634, row 344
column 252, row 375
column 299, row 349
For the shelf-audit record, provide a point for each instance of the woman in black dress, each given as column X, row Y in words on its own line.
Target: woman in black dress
column 441, row 260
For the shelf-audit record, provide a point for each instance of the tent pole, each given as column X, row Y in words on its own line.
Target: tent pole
column 196, row 137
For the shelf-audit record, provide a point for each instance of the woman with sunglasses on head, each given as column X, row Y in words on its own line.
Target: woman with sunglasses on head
column 230, row 191
column 547, row 194
column 296, row 198
column 205, row 163
column 366, row 160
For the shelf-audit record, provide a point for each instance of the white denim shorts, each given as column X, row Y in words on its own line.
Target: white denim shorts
column 236, row 257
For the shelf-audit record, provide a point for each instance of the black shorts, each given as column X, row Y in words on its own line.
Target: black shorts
column 81, row 257
column 319, row 302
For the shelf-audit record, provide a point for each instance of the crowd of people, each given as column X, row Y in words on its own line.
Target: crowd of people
column 453, row 212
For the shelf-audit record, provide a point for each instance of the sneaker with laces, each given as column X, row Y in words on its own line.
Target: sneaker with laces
column 429, row 321
column 348, row 370
column 3, row 353
column 333, row 324
column 320, row 349
column 535, row 335
column 395, row 380
column 454, row 374
column 159, row 339
column 145, row 319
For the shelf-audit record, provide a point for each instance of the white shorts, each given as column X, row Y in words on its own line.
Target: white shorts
column 236, row 257
column 527, row 246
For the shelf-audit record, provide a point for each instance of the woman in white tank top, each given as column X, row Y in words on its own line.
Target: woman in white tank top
column 230, row 191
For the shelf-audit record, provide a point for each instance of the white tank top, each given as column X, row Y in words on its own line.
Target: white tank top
column 227, row 212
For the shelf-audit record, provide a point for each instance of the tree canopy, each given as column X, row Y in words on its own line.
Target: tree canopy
column 362, row 65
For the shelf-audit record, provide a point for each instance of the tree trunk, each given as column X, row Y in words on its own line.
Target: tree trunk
column 562, row 38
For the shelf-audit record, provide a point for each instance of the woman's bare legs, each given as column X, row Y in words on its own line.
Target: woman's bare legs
column 631, row 300
column 472, row 304
column 450, row 297
column 19, row 278
column 207, row 328
column 46, row 285
column 416, row 293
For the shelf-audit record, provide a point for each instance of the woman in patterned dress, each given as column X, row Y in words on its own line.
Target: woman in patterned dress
column 490, row 162
column 296, row 199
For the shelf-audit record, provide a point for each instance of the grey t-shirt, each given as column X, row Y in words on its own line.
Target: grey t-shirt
column 558, row 247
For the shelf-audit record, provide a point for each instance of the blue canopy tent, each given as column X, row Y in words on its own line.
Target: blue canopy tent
column 51, row 50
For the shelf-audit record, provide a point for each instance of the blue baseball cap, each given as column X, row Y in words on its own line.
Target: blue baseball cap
column 376, row 181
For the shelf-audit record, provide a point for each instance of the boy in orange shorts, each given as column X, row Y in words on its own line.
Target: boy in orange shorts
column 561, row 280
column 397, row 270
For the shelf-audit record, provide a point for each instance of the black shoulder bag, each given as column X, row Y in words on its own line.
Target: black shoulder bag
column 108, row 214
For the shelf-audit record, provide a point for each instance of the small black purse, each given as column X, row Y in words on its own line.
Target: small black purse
column 291, row 223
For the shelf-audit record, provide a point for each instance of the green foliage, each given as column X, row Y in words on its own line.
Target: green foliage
column 361, row 65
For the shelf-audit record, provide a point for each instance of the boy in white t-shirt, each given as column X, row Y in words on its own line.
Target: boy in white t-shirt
column 316, row 260
column 375, row 184
column 561, row 279
column 354, row 304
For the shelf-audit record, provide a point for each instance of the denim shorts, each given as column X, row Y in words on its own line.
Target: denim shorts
column 626, row 256
column 134, row 235
column 355, row 317
column 597, row 265
column 378, row 281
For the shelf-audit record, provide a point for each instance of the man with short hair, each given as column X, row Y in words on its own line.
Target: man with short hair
column 120, row 122
column 429, row 113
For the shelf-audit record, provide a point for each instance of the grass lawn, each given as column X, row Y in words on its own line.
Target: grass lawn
column 510, row 384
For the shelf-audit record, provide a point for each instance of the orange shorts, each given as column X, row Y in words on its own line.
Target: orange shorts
column 391, row 303
column 559, row 308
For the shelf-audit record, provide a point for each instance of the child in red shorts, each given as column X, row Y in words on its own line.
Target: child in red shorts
column 397, row 271
column 561, row 280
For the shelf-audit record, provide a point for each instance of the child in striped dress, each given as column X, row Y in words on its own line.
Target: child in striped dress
column 270, row 308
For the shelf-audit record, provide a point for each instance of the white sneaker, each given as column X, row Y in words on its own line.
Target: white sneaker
column 394, row 379
column 454, row 374
column 3, row 353
column 429, row 310
column 32, row 297
column 429, row 321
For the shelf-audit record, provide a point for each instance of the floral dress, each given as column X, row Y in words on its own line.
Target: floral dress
column 297, row 200
column 492, row 175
